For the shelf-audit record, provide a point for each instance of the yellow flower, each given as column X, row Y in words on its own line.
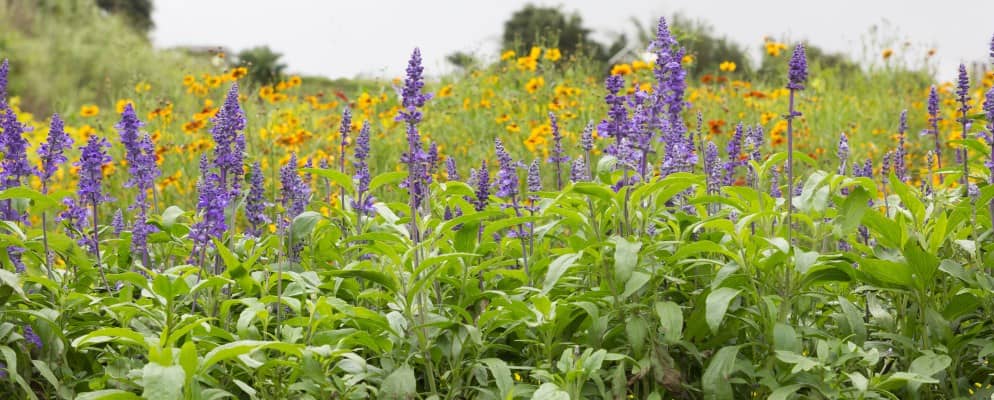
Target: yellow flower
column 535, row 52
column 534, row 84
column 727, row 66
column 639, row 65
column 687, row 59
column 507, row 55
column 621, row 69
column 238, row 73
column 122, row 103
column 142, row 87
column 265, row 91
column 189, row 80
column 774, row 49
column 527, row 63
column 294, row 81
column 517, row 377
column 553, row 55
column 887, row 53
column 445, row 91
column 89, row 110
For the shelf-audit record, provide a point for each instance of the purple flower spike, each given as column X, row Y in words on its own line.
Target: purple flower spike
column 52, row 151
column 294, row 191
column 587, row 137
column 901, row 154
column 482, row 180
column 92, row 159
column 451, row 172
column 227, row 125
column 843, row 153
column 31, row 337
column 507, row 175
column 797, row 69
column 255, row 203
column 534, row 177
column 4, row 70
column 578, row 171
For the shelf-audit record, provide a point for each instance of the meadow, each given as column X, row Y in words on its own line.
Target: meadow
column 535, row 228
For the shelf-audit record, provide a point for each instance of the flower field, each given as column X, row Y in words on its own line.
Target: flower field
column 532, row 229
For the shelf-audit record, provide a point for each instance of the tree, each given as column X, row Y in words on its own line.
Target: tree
column 548, row 26
column 264, row 66
column 699, row 39
column 138, row 13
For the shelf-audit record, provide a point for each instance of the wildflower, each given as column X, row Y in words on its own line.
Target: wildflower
column 344, row 128
column 52, row 151
column 797, row 69
column 507, row 175
column 727, row 66
column 552, row 55
column 31, row 337
column 482, row 180
column 887, row 53
column 89, row 110
column 4, row 70
column 667, row 102
column 775, row 183
column 843, row 153
column 587, row 138
column 534, row 84
column 900, row 155
column 451, row 172
column 557, row 158
column 294, row 191
column 621, row 69
column 412, row 99
column 227, row 123
column 507, row 55
column 733, row 148
column 578, row 171
column 117, row 223
column 255, row 203
column 363, row 202
column 712, row 168
column 989, row 111
column 534, row 177
column 212, row 200
column 963, row 95
column 15, row 164
column 756, row 141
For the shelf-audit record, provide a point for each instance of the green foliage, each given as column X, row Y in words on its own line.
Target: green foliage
column 264, row 65
column 548, row 26
column 138, row 13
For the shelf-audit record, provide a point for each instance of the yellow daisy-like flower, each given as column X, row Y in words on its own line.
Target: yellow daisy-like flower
column 687, row 59
column 727, row 66
column 294, row 81
column 445, row 91
column 534, row 84
column 89, row 110
column 553, row 55
column 621, row 69
column 122, row 103
column 507, row 55
column 887, row 53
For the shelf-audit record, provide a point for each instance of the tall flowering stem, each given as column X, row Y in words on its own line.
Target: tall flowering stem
column 963, row 96
column 4, row 70
column 508, row 186
column 16, row 169
column 416, row 157
column 989, row 112
column 141, row 159
column 52, row 155
column 558, row 158
column 933, row 121
column 255, row 203
column 901, row 154
column 343, row 130
column 363, row 203
column 92, row 159
column 797, row 75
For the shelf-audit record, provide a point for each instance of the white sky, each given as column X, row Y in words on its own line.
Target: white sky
column 337, row 38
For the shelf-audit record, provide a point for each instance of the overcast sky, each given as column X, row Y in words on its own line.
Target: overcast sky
column 337, row 38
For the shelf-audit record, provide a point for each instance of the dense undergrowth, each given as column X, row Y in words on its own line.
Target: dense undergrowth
column 638, row 257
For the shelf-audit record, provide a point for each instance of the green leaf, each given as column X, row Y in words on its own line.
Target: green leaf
column 549, row 391
column 40, row 201
column 715, row 380
column 13, row 281
column 235, row 349
column 626, row 255
column 502, row 374
column 103, row 335
column 399, row 385
column 784, row 392
column 108, row 394
column 716, row 306
column 340, row 179
column 928, row 365
column 854, row 318
column 386, row 178
column 923, row 265
column 303, row 224
column 670, row 320
column 908, row 198
column 162, row 383
column 188, row 359
column 851, row 213
column 557, row 268
column 170, row 215
column 373, row 276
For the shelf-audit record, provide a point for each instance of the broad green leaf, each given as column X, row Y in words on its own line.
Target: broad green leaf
column 908, row 198
column 386, row 178
column 626, row 255
column 303, row 224
column 162, row 383
column 104, row 335
column 716, row 306
column 502, row 375
column 399, row 385
column 784, row 392
column 108, row 394
column 928, row 365
column 549, row 391
column 854, row 318
column 340, row 179
column 235, row 349
column 715, row 380
column 557, row 268
column 851, row 213
column 670, row 320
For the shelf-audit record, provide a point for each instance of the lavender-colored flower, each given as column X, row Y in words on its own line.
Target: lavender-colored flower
column 933, row 120
column 14, row 255
column 294, row 191
column 3, row 366
column 343, row 130
column 885, row 167
column 797, row 69
column 901, row 154
column 362, row 142
column 507, row 175
column 363, row 202
column 963, row 90
column 255, row 203
column 75, row 218
column 973, row 191
column 775, row 183
column 416, row 158
column 117, row 223
column 755, row 140
column 866, row 171
column 712, row 167
column 671, row 83
column 843, row 153
column 15, row 164
column 733, row 149
column 481, row 178
column 578, row 171
column 557, row 157
column 989, row 111
column 4, row 70
column 92, row 159
column 432, row 158
column 212, row 201
column 227, row 125
column 52, row 151
column 587, row 137
column 31, row 337
column 534, row 177
column 451, row 172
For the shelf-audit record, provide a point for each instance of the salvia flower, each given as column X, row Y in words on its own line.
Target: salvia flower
column 481, row 178
column 213, row 199
column 507, row 175
column 92, row 159
column 557, row 157
column 343, row 130
column 933, row 120
column 31, row 337
column 227, row 125
column 713, row 168
column 363, row 203
column 671, row 83
column 989, row 111
column 733, row 149
column 52, row 151
column 4, row 70
column 255, row 203
column 963, row 90
column 15, row 164
column 534, row 177
column 774, row 183
column 418, row 177
column 294, row 191
column 451, row 172
column 797, row 73
column 756, row 141
column 901, row 154
column 578, row 171
column 117, row 222
column 843, row 153
column 587, row 137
